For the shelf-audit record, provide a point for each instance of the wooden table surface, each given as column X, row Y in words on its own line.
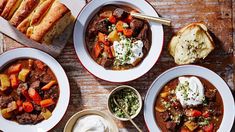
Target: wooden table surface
column 88, row 92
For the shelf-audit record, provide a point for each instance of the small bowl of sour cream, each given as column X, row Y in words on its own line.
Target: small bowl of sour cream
column 90, row 120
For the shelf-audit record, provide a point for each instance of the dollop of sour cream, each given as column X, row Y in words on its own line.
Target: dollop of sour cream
column 128, row 52
column 190, row 91
column 91, row 123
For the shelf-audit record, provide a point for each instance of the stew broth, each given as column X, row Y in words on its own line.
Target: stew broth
column 110, row 25
column 205, row 117
column 29, row 91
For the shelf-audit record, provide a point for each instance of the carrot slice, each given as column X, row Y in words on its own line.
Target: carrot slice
column 127, row 32
column 107, row 49
column 102, row 38
column 14, row 81
column 112, row 19
column 28, row 107
column 48, row 85
column 46, row 102
column 14, row 69
column 97, row 49
column 119, row 26
column 33, row 94
column 25, row 94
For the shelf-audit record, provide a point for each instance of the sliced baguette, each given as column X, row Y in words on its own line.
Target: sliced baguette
column 2, row 5
column 10, row 8
column 191, row 43
column 51, row 25
column 25, row 8
column 36, row 16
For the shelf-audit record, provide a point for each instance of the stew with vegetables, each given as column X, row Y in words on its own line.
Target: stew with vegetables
column 116, row 40
column 189, row 104
column 28, row 91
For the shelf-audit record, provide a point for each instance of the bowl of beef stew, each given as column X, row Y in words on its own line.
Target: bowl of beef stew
column 30, row 90
column 189, row 98
column 113, row 45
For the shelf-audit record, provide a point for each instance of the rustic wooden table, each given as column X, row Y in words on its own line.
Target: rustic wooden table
column 88, row 92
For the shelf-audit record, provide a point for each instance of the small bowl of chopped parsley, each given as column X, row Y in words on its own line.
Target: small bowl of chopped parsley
column 128, row 98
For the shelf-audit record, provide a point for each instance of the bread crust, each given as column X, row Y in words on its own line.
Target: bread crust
column 10, row 8
column 2, row 5
column 41, row 11
column 36, row 16
column 55, row 13
column 23, row 11
column 176, row 38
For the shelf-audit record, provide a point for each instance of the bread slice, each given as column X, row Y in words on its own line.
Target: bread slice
column 10, row 8
column 191, row 43
column 25, row 8
column 54, row 23
column 2, row 5
column 36, row 16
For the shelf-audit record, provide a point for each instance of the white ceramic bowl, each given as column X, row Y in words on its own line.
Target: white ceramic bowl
column 71, row 122
column 118, row 89
column 110, row 75
column 212, row 77
column 63, row 101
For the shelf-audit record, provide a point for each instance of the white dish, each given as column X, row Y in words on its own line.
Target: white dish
column 63, row 101
column 110, row 75
column 212, row 77
column 71, row 122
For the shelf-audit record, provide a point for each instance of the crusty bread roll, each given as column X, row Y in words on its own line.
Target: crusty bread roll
column 191, row 43
column 25, row 8
column 10, row 8
column 2, row 5
column 36, row 16
column 53, row 23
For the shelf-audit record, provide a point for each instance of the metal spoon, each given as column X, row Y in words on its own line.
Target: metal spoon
column 151, row 18
column 127, row 115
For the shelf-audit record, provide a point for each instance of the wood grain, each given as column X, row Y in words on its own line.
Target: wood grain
column 89, row 92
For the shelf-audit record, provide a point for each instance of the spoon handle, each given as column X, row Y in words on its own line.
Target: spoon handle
column 128, row 117
column 155, row 19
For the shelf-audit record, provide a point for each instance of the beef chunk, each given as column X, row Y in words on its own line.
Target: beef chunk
column 136, row 26
column 21, row 87
column 165, row 116
column 211, row 105
column 53, row 93
column 210, row 94
column 147, row 44
column 106, row 63
column 39, row 118
column 36, row 75
column 27, row 118
column 102, row 26
column 120, row 13
column 35, row 84
column 46, row 78
column 24, row 118
column 170, row 125
column 143, row 33
column 91, row 30
column 37, row 107
column 5, row 100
